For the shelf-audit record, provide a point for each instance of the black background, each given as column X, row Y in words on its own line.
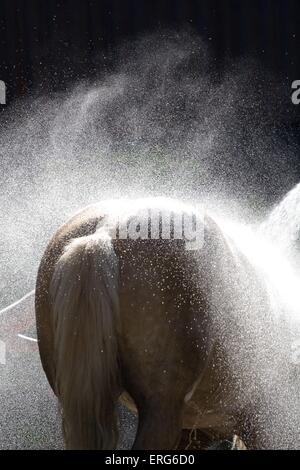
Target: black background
column 48, row 43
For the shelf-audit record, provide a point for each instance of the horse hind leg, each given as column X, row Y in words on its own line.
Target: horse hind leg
column 160, row 424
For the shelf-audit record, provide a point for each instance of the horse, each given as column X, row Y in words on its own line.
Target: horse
column 143, row 320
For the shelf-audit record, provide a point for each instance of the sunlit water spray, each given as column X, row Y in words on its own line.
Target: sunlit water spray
column 273, row 365
column 270, row 259
column 163, row 124
column 282, row 226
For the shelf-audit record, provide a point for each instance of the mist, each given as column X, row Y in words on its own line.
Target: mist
column 163, row 121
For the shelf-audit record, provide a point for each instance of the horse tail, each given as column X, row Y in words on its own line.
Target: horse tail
column 85, row 308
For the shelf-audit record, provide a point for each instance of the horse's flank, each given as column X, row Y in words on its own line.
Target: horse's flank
column 132, row 317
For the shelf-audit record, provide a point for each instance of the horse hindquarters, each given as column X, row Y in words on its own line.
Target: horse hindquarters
column 85, row 315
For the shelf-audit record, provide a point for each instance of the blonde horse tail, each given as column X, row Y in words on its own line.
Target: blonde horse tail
column 85, row 308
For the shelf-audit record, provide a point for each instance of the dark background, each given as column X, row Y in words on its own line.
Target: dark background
column 45, row 44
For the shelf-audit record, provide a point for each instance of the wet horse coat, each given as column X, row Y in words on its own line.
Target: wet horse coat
column 136, row 320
